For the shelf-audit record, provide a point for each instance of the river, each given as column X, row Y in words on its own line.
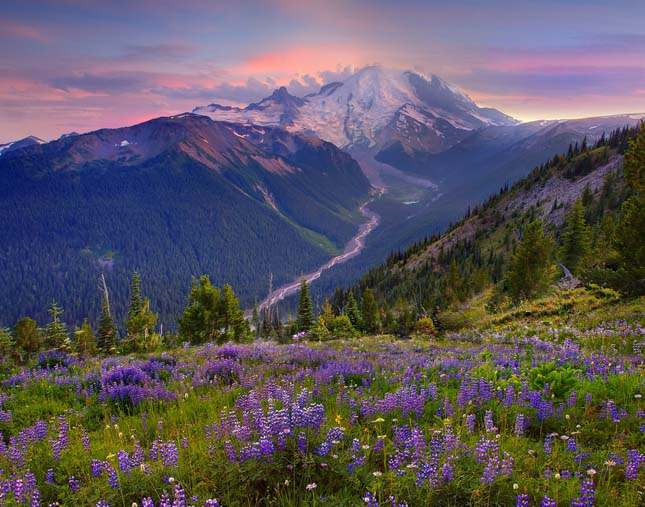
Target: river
column 352, row 248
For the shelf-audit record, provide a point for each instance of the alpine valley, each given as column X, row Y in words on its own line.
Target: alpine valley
column 244, row 194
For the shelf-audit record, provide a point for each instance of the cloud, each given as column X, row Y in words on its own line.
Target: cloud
column 99, row 83
column 158, row 52
column 21, row 31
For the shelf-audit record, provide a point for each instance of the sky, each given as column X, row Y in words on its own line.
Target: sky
column 80, row 65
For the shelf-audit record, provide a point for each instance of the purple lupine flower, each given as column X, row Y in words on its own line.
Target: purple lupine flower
column 85, row 440
column 571, row 445
column 74, row 484
column 519, row 425
column 548, row 502
column 179, row 496
column 548, row 444
column 470, row 423
column 123, row 459
column 522, row 500
column 587, row 496
column 211, row 502
column 49, row 476
column 635, row 460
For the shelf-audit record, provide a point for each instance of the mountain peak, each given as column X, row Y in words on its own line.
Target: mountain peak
column 375, row 106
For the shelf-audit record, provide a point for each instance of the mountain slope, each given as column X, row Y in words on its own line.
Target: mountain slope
column 172, row 198
column 479, row 246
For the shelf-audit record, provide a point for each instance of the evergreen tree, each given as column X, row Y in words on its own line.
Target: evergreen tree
column 6, row 343
column 587, row 195
column 338, row 301
column 305, row 308
column 327, row 313
column 107, row 334
column 630, row 244
column 235, row 327
column 135, row 297
column 141, row 321
column 576, row 239
column 202, row 319
column 27, row 336
column 389, row 321
column 454, row 283
column 634, row 163
column 370, row 312
column 85, row 342
column 56, row 335
column 352, row 311
column 531, row 265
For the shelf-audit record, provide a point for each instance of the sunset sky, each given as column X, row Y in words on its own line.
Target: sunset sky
column 79, row 65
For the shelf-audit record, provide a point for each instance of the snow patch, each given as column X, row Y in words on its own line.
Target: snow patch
column 5, row 147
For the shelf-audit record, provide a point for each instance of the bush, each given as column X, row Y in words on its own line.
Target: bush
column 425, row 327
column 453, row 321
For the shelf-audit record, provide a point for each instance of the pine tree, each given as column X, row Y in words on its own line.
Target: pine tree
column 370, row 312
column 136, row 302
column 56, row 335
column 85, row 342
column 327, row 313
column 6, row 343
column 107, row 334
column 27, row 335
column 235, row 327
column 352, row 311
column 634, row 163
column 338, row 301
column 576, row 239
column 305, row 316
column 531, row 265
column 202, row 320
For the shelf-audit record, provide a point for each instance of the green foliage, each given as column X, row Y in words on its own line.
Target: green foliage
column 352, row 311
column 452, row 320
column 212, row 315
column 85, row 340
column 561, row 379
column 305, row 308
column 141, row 322
column 576, row 239
column 107, row 335
column 634, row 163
column 56, row 336
column 6, row 343
column 530, row 269
column 425, row 327
column 370, row 313
column 342, row 328
column 27, row 335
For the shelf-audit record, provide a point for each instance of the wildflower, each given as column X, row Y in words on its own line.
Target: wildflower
column 377, row 474
column 312, row 486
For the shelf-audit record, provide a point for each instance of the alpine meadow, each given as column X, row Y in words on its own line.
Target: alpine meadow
column 321, row 253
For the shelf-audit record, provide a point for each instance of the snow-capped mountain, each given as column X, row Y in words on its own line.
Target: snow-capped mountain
column 373, row 108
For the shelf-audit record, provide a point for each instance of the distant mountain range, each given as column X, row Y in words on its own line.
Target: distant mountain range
column 422, row 125
column 172, row 198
